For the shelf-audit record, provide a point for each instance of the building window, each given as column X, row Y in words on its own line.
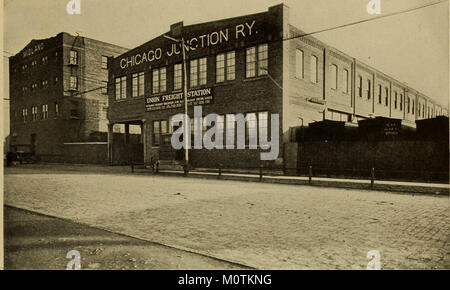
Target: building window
column 44, row 112
column 73, row 83
column 263, row 123
column 251, row 136
column 34, row 87
column 220, row 68
column 177, row 76
column 160, row 130
column 257, row 61
column 395, row 100
column 334, row 77
column 44, row 84
column 45, row 60
column 24, row 115
column 369, row 89
column 198, row 72
column 299, row 64
column 386, row 97
column 73, row 58
column 105, row 87
column 230, row 129
column 121, row 88
column 412, row 109
column 401, row 102
column 225, row 66
column 220, row 125
column 314, row 69
column 231, row 66
column 24, row 89
column 138, row 84
column 263, row 59
column 194, row 129
column 57, row 109
column 345, row 81
column 423, row 110
column 380, row 94
column 360, row 84
column 408, row 104
column 194, row 73
column 34, row 112
column 34, row 63
column 104, row 62
column 159, row 80
column 74, row 110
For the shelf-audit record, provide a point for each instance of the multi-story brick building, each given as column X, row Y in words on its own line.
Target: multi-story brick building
column 56, row 95
column 257, row 65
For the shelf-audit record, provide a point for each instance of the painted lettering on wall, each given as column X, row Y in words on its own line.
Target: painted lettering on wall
column 176, row 100
column 198, row 42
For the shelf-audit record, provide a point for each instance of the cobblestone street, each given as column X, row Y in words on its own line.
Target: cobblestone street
column 266, row 226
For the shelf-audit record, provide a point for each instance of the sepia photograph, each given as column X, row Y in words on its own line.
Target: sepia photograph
column 240, row 136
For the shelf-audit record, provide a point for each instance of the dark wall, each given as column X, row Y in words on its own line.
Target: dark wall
column 86, row 153
column 416, row 160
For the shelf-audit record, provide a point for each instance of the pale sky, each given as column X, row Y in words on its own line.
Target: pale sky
column 412, row 47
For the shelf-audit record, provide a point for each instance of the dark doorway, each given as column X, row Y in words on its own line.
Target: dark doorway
column 33, row 141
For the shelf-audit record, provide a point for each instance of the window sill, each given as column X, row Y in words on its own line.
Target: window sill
column 256, row 78
column 197, row 87
column 121, row 100
column 225, row 83
column 134, row 98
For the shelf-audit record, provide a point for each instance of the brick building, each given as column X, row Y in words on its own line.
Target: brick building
column 55, row 95
column 256, row 65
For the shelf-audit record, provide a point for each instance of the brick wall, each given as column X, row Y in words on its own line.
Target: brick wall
column 86, row 153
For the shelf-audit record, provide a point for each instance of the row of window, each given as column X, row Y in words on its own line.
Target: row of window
column 73, row 85
column 300, row 66
column 345, row 83
column 225, row 124
column 43, row 85
column 256, row 65
column 35, row 112
column 73, row 60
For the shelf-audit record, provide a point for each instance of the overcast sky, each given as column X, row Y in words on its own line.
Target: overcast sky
column 412, row 47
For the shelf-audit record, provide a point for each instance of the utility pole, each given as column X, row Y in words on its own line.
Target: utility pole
column 186, row 129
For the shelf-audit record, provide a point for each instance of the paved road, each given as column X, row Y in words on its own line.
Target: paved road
column 35, row 241
column 260, row 225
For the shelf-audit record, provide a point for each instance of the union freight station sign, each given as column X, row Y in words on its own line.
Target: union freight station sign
column 172, row 101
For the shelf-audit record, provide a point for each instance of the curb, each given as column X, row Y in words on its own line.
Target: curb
column 399, row 188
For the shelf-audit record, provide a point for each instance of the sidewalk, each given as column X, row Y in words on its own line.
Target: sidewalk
column 259, row 224
column 379, row 185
